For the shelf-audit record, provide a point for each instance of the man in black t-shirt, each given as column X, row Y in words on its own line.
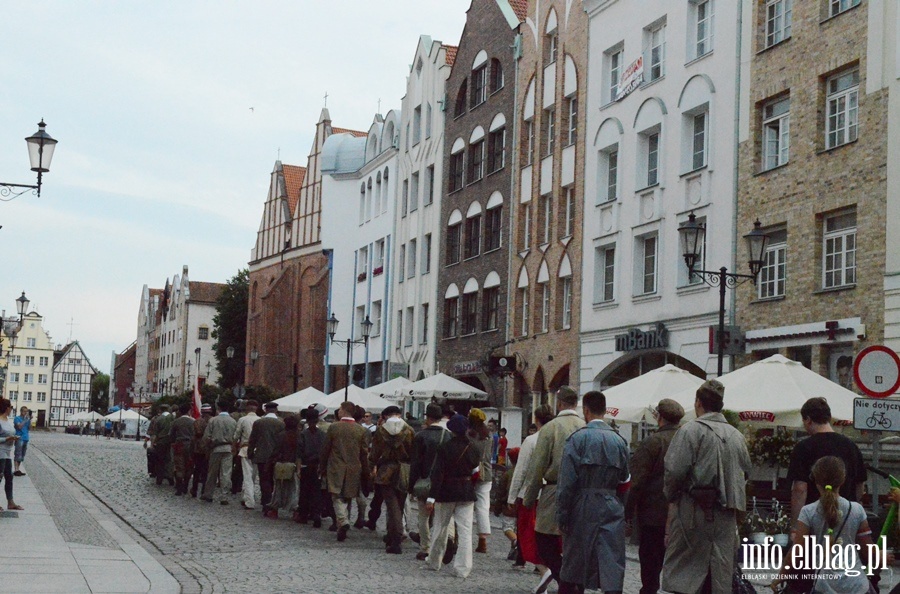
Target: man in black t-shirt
column 822, row 441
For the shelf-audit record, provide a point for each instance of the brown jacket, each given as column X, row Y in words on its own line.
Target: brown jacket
column 345, row 459
column 388, row 451
column 646, row 501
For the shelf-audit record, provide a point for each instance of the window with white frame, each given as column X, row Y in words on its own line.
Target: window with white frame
column 426, row 254
column 476, row 161
column 778, row 21
column 423, row 334
column 614, row 59
column 14, row 377
column 650, row 146
column 496, row 150
column 773, row 274
column 376, row 318
column 609, row 165
column 42, row 378
column 655, row 61
column 604, row 273
column 43, row 361
column 528, row 157
column 569, row 214
column 454, row 233
column 838, row 251
column 457, row 169
column 31, row 343
column 428, row 191
column 567, row 302
column 552, row 47
column 546, row 213
column 451, row 317
column 836, row 7
column 29, row 378
column 479, row 85
column 549, row 131
column 686, row 279
column 401, row 264
column 411, row 268
column 378, row 264
column 473, row 236
column 492, row 227
column 703, row 27
column 362, row 263
column 572, row 104
column 15, row 360
column 699, row 139
column 523, row 302
column 417, row 125
column 545, row 307
column 646, row 260
column 404, row 199
column 26, row 396
column 414, row 192
column 776, row 133
column 490, row 309
column 469, row 313
column 525, row 226
column 842, row 107
column 410, row 326
column 399, row 328
column 29, row 360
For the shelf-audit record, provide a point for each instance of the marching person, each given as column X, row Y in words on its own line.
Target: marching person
column 249, row 473
column 218, row 437
column 199, row 455
column 284, row 467
column 483, row 441
column 162, row 445
column 391, row 446
column 181, row 435
column 344, row 464
column 421, row 461
column 261, row 449
column 705, row 476
column 592, row 475
column 311, row 440
column 237, row 462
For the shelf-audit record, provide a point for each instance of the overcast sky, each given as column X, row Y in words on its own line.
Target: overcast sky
column 161, row 162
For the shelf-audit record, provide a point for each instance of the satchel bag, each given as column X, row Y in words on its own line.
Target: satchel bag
column 285, row 471
column 422, row 488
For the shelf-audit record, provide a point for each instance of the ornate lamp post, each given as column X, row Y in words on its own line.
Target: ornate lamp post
column 40, row 152
column 692, row 236
column 331, row 325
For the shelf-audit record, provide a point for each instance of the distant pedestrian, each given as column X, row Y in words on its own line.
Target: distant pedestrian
column 218, row 437
column 162, row 446
column 312, row 438
column 284, row 467
column 499, row 506
column 391, row 447
column 108, row 429
column 8, row 439
column 593, row 476
column 261, row 449
column 98, row 428
column 502, row 445
column 237, row 468
column 249, row 472
column 181, row 435
column 422, row 460
column 23, row 426
column 199, row 453
column 344, row 464
column 484, row 443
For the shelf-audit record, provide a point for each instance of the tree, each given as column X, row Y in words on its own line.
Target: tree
column 230, row 329
column 100, row 393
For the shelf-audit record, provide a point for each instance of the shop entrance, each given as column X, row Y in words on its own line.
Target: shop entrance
column 635, row 364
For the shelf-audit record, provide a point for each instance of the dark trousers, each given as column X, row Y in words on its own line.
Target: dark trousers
column 6, row 466
column 161, row 462
column 549, row 548
column 237, row 475
column 375, row 505
column 394, row 501
column 309, row 504
column 651, row 551
column 201, row 467
column 266, row 482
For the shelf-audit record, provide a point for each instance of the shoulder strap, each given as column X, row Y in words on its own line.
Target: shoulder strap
column 434, row 460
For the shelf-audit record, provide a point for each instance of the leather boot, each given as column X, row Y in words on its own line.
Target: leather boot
column 482, row 545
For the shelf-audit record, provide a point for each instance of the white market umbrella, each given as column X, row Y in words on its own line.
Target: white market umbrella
column 440, row 385
column 389, row 388
column 294, row 403
column 769, row 393
column 126, row 415
column 369, row 401
column 84, row 416
column 633, row 401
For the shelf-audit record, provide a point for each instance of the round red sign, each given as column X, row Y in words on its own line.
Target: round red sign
column 877, row 371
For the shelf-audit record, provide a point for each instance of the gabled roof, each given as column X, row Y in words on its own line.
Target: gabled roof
column 451, row 53
column 61, row 354
column 520, row 7
column 356, row 133
column 293, row 181
column 205, row 292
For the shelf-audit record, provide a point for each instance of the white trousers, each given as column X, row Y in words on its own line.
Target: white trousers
column 444, row 515
column 483, row 507
column 248, row 486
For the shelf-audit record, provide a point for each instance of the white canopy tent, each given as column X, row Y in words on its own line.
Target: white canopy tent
column 84, row 416
column 389, row 388
column 769, row 393
column 294, row 403
column 369, row 401
column 633, row 401
column 131, row 418
column 439, row 386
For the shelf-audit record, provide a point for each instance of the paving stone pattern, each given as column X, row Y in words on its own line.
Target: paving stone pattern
column 214, row 548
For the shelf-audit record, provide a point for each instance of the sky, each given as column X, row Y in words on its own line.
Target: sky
column 161, row 161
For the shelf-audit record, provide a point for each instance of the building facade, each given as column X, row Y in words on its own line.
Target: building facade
column 813, row 170
column 359, row 174
column 545, row 276
column 73, row 374
column 888, row 25
column 417, row 216
column 473, row 272
column 660, row 144
column 124, row 386
column 29, row 369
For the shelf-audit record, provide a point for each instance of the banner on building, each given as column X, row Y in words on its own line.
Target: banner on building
column 631, row 78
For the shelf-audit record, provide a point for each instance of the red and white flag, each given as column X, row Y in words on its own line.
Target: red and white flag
column 195, row 401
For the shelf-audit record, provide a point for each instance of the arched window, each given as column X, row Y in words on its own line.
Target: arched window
column 496, row 75
column 461, row 97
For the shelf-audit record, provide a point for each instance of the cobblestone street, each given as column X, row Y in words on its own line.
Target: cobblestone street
column 213, row 548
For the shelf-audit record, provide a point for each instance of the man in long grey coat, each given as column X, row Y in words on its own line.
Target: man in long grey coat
column 589, row 508
column 706, row 468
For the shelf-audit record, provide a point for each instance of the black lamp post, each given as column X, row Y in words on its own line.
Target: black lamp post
column 331, row 325
column 22, row 307
column 692, row 236
column 40, row 152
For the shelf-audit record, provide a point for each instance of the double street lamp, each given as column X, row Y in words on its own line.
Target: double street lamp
column 692, row 235
column 40, row 152
column 366, row 327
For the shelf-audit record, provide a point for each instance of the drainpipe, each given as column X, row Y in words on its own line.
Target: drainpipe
column 737, row 154
column 330, row 254
column 513, row 202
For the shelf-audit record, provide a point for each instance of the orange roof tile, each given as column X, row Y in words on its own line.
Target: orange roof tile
column 451, row 53
column 206, row 292
column 520, row 7
column 355, row 133
column 293, row 181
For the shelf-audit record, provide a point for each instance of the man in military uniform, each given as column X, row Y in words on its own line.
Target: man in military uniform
column 181, row 434
column 162, row 443
column 199, row 454
column 344, row 464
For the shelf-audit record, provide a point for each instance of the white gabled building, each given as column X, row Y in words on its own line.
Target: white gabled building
column 660, row 150
column 358, row 179
column 30, row 365
column 73, row 374
column 417, row 220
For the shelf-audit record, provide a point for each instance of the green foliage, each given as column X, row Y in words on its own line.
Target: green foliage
column 772, row 450
column 230, row 329
column 732, row 417
column 213, row 395
column 100, row 393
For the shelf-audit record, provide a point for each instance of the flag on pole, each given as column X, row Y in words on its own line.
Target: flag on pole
column 195, row 401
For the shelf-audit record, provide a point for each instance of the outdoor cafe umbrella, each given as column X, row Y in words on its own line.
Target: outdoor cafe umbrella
column 633, row 401
column 358, row 396
column 389, row 388
column 84, row 416
column 294, row 403
column 440, row 385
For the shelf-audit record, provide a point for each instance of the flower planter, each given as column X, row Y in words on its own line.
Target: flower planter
column 758, row 537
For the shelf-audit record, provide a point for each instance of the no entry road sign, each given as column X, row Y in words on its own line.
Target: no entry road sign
column 877, row 371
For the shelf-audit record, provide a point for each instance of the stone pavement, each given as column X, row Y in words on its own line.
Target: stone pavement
column 67, row 543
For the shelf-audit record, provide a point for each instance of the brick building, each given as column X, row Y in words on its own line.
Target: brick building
column 124, row 388
column 474, row 266
column 813, row 169
column 545, row 275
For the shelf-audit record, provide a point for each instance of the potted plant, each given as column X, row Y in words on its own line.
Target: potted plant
column 755, row 526
column 778, row 524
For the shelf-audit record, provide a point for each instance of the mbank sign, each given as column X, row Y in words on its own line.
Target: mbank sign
column 637, row 340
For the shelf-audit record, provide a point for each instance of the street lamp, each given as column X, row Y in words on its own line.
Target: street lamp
column 692, row 235
column 331, row 325
column 40, row 153
column 254, row 355
column 22, row 306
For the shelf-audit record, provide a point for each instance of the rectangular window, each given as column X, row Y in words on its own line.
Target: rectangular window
column 776, row 133
column 469, row 313
column 426, row 254
column 550, row 130
column 14, row 377
column 698, row 144
column 428, row 118
column 410, row 326
column 26, row 396
column 497, row 150
column 476, row 161
column 492, row 228
column 456, row 171
column 839, row 252
column 546, row 215
column 15, row 360
column 573, row 121
column 401, row 264
column 451, row 314
column 31, row 343
column 473, row 236
column 490, row 309
column 656, row 39
column 607, row 273
column 652, row 159
column 479, row 86
column 567, row 302
column 428, row 193
column 203, row 333
column 399, row 328
column 13, row 395
column 404, row 200
column 414, row 192
column 29, row 360
column 529, row 143
column 29, row 378
column 523, row 295
column 648, row 262
column 839, row 6
column 612, row 174
column 778, row 21
column 362, row 264
column 842, row 105
column 704, row 13
column 615, row 72
column 378, row 264
column 569, row 228
column 552, row 47
column 376, row 318
column 773, row 274
column 42, row 378
column 453, row 243
column 526, row 226
column 417, row 125
column 545, row 307
column 413, row 245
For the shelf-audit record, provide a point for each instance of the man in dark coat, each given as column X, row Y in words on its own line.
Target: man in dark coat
column 162, row 444
column 589, row 511
column 181, row 433
column 344, row 464
column 199, row 455
column 312, row 438
column 262, row 449
column 421, row 461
